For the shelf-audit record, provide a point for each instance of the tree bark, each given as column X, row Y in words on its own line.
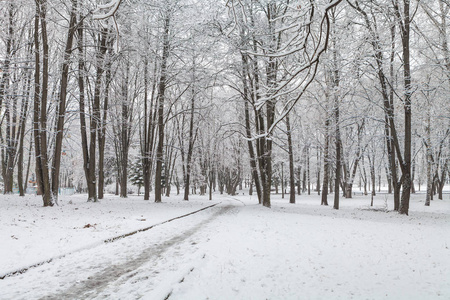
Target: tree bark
column 291, row 162
column 335, row 82
column 40, row 103
column 8, row 151
column 123, row 132
column 247, row 97
column 23, row 120
column 326, row 159
column 149, row 131
column 404, row 24
column 103, row 121
column 161, row 98
column 337, row 171
column 61, row 111
column 308, row 169
column 88, row 151
column 192, row 138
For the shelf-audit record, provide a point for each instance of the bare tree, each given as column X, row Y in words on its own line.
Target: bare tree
column 61, row 110
column 161, row 94
column 40, row 102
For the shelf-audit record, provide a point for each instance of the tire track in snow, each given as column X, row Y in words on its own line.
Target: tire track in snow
column 109, row 240
column 95, row 284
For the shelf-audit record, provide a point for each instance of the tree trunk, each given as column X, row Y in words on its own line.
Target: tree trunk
column 326, row 166
column 429, row 159
column 337, row 171
column 389, row 179
column 308, row 170
column 192, row 138
column 335, row 82
column 319, row 156
column 103, row 122
column 372, row 174
column 304, row 181
column 211, row 179
column 23, row 120
column 125, row 135
column 61, row 112
column 88, row 153
column 161, row 98
column 40, row 104
column 291, row 162
column 404, row 23
column 8, row 154
column 149, row 131
column 282, row 180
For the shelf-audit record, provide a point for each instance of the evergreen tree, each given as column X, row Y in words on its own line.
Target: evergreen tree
column 137, row 174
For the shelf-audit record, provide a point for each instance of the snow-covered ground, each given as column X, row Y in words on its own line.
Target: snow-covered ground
column 234, row 250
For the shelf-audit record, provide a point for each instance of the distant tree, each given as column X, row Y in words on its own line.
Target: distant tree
column 137, row 174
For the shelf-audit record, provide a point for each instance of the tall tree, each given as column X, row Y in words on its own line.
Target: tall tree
column 161, row 94
column 40, row 102
column 61, row 110
column 404, row 21
column 88, row 147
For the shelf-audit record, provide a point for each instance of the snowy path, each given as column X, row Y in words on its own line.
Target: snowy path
column 158, row 258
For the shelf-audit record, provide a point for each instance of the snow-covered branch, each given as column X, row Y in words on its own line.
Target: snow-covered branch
column 107, row 10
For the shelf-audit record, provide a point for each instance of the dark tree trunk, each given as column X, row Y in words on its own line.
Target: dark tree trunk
column 103, row 121
column 211, row 180
column 337, row 171
column 389, row 179
column 9, row 150
column 61, row 111
column 334, row 84
column 404, row 24
column 319, row 156
column 443, row 178
column 304, row 181
column 372, row 174
column 326, row 165
column 291, row 162
column 149, row 132
column 338, row 144
column 192, row 138
column 23, row 120
column 429, row 159
column 248, row 97
column 124, row 130
column 161, row 99
column 88, row 153
column 308, row 169
column 40, row 104
column 282, row 180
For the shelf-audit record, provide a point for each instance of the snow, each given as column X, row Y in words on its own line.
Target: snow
column 234, row 250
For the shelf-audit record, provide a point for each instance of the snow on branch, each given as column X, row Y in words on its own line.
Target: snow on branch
column 299, row 37
column 232, row 8
column 308, row 68
column 107, row 10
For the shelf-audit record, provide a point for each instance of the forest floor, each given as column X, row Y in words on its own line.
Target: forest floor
column 235, row 249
